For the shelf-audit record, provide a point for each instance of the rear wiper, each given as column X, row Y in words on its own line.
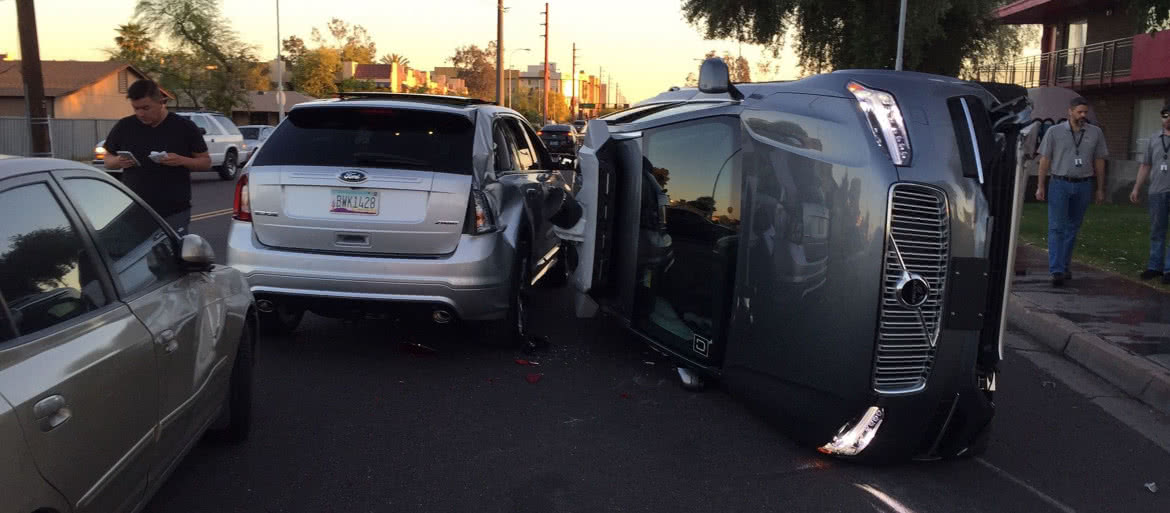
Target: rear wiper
column 388, row 158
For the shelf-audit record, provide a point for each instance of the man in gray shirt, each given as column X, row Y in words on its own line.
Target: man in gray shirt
column 1156, row 167
column 1074, row 152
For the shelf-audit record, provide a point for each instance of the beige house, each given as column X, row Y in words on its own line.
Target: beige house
column 77, row 89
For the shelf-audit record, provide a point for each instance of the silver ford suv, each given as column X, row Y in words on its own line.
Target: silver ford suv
column 369, row 203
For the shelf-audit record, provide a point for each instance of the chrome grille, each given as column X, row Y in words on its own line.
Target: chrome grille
column 918, row 242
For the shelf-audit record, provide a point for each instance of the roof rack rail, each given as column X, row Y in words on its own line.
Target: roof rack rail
column 411, row 97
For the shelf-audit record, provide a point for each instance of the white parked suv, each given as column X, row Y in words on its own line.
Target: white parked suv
column 224, row 141
column 375, row 202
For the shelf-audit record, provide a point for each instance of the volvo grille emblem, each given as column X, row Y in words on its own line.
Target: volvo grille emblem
column 352, row 176
column 912, row 290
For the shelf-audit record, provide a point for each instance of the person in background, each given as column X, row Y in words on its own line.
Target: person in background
column 1156, row 167
column 1073, row 152
column 165, row 183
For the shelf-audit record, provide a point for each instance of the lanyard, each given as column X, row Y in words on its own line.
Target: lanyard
column 1165, row 145
column 1077, row 142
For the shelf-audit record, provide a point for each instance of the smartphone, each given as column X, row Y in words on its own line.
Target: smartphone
column 129, row 156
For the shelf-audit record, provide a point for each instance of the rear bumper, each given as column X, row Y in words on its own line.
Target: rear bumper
column 472, row 282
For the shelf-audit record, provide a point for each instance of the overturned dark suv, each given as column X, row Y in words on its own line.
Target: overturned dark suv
column 835, row 250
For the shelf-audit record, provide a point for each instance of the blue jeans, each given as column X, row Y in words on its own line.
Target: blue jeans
column 1067, row 203
column 1159, row 209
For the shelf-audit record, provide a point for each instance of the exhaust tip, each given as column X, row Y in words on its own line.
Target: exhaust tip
column 441, row 316
column 265, row 306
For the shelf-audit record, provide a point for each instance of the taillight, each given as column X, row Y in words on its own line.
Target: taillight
column 885, row 121
column 242, row 206
column 479, row 215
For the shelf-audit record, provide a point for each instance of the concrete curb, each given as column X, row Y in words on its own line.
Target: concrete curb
column 1136, row 376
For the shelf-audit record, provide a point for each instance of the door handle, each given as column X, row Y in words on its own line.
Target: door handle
column 51, row 412
column 166, row 339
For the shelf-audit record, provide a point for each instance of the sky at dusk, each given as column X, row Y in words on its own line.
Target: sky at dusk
column 644, row 45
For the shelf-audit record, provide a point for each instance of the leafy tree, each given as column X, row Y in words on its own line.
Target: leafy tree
column 355, row 84
column 840, row 34
column 394, row 58
column 477, row 66
column 293, row 49
column 352, row 42
column 198, row 28
column 314, row 72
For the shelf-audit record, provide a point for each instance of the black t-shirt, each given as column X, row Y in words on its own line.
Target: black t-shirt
column 167, row 189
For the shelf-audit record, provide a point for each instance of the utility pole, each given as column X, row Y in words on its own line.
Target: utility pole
column 901, row 36
column 500, row 54
column 279, row 69
column 573, row 76
column 34, row 81
column 545, row 13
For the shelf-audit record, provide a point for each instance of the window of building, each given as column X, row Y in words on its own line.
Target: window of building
column 1147, row 120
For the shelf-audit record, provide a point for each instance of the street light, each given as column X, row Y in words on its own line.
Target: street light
column 512, row 86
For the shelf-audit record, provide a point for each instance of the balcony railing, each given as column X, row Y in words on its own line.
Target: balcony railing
column 1096, row 64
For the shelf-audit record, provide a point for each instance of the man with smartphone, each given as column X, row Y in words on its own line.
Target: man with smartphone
column 163, row 182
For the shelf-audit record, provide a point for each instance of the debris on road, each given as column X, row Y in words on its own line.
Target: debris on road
column 533, row 343
column 533, row 378
column 521, row 361
column 648, row 362
column 1152, row 487
column 416, row 349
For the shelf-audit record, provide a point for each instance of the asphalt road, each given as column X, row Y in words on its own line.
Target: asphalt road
column 346, row 419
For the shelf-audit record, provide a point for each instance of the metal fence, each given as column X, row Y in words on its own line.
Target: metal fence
column 72, row 139
column 1095, row 64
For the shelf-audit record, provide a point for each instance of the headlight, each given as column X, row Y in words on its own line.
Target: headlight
column 855, row 437
column 885, row 121
column 99, row 151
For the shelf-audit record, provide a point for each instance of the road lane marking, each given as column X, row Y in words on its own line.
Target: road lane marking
column 208, row 215
column 1043, row 496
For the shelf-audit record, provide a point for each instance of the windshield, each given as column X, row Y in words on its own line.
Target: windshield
column 250, row 132
column 372, row 137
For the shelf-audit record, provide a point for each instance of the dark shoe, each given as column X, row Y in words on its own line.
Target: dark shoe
column 1057, row 279
column 1150, row 273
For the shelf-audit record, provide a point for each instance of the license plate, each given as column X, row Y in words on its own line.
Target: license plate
column 354, row 202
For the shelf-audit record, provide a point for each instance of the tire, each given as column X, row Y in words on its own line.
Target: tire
column 230, row 166
column 237, row 408
column 281, row 321
column 510, row 331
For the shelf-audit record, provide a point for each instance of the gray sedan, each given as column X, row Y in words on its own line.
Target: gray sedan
column 120, row 343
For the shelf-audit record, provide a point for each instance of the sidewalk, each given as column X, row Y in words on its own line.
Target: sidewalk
column 1118, row 329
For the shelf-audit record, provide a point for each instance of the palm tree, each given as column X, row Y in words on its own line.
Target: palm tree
column 394, row 58
column 134, row 43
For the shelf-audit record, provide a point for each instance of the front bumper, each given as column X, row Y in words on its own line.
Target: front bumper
column 473, row 282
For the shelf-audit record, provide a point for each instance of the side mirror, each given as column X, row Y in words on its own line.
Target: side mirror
column 202, row 131
column 715, row 78
column 196, row 251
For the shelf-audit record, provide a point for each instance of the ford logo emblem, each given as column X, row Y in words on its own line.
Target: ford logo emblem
column 912, row 290
column 352, row 176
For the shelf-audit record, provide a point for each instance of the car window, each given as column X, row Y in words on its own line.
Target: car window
column 7, row 329
column 46, row 275
column 227, row 124
column 202, row 122
column 540, row 152
column 250, row 132
column 692, row 162
column 138, row 248
column 525, row 155
column 505, row 148
column 367, row 137
column 267, row 131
